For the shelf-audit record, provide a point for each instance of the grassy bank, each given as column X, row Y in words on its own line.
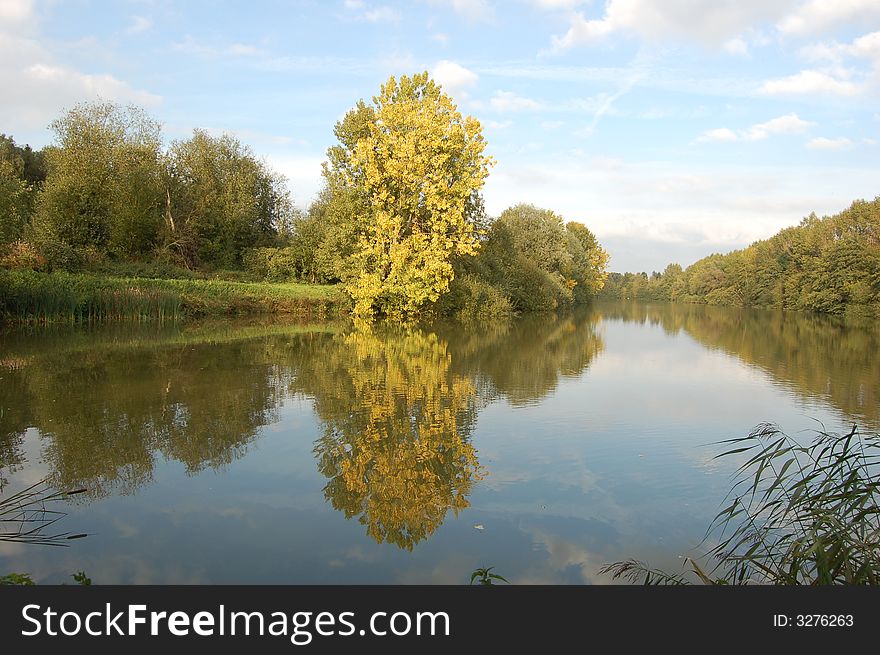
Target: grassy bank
column 32, row 297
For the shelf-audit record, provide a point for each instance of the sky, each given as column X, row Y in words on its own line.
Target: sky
column 673, row 129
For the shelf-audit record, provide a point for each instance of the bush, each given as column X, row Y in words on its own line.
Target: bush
column 60, row 256
column 21, row 254
column 273, row 264
column 470, row 297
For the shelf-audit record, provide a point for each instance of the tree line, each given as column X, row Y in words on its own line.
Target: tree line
column 829, row 264
column 400, row 222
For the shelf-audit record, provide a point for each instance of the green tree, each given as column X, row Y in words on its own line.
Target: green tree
column 415, row 167
column 104, row 187
column 221, row 200
column 588, row 260
column 14, row 203
column 527, row 256
column 325, row 238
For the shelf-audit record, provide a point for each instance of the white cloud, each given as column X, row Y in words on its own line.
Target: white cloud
column 497, row 125
column 505, row 101
column 823, row 143
column 664, row 201
column 139, row 24
column 558, row 4
column 867, row 45
column 190, row 46
column 379, row 14
column 787, row 124
column 243, row 50
column 44, row 88
column 818, row 16
column 811, row 82
column 440, row 38
column 710, row 22
column 736, row 47
column 474, row 11
column 454, row 78
column 16, row 12
column 580, row 31
column 303, row 174
column 719, row 134
column 551, row 125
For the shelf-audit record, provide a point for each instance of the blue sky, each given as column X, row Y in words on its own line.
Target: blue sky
column 672, row 128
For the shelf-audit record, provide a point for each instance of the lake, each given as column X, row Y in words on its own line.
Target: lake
column 546, row 447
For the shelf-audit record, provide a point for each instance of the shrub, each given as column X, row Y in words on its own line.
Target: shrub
column 273, row 264
column 21, row 254
column 470, row 297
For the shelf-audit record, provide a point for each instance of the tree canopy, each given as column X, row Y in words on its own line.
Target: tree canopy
column 415, row 166
column 830, row 265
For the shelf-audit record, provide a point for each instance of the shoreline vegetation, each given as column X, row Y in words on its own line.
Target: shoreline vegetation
column 109, row 223
column 28, row 296
column 798, row 513
column 829, row 265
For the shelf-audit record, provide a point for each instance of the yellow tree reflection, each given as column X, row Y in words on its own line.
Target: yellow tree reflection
column 396, row 446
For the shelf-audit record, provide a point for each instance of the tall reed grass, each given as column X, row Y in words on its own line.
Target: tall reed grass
column 33, row 297
column 796, row 515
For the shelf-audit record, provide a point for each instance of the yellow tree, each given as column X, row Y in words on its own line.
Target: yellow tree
column 417, row 166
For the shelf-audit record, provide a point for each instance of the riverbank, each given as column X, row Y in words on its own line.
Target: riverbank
column 33, row 297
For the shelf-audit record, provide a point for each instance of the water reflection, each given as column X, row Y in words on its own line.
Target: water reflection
column 392, row 413
column 397, row 407
column 817, row 356
column 396, row 445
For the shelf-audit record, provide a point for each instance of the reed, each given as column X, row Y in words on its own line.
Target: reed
column 32, row 297
column 796, row 515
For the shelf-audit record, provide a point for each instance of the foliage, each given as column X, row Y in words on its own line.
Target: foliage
column 535, row 261
column 797, row 514
column 470, row 297
column 221, row 200
column 485, row 576
column 413, row 165
column 104, row 187
column 275, row 264
column 588, row 261
column 14, row 204
column 829, row 265
column 22, row 172
column 28, row 296
column 326, row 239
column 29, row 165
column 16, row 579
column 81, row 578
column 22, row 255
column 399, row 218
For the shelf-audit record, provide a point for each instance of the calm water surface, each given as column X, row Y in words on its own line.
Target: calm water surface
column 545, row 447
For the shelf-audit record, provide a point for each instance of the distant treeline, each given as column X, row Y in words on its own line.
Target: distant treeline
column 107, row 198
column 829, row 265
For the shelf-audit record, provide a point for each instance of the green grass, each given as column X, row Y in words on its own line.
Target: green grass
column 32, row 297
